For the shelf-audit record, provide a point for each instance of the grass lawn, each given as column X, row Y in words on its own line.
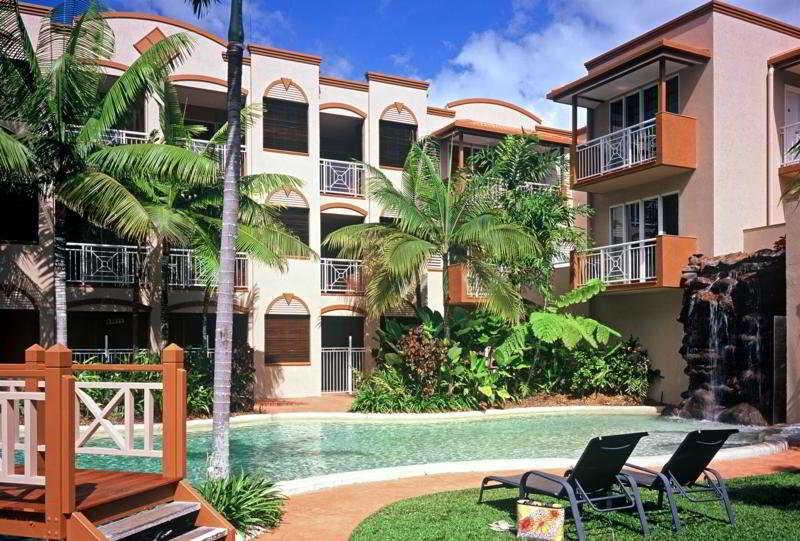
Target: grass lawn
column 767, row 507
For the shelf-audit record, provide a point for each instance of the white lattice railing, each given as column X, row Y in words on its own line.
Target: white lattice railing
column 789, row 137
column 338, row 365
column 341, row 276
column 124, row 137
column 625, row 263
column 19, row 433
column 185, row 270
column 341, row 178
column 103, row 263
column 221, row 151
column 108, row 424
column 631, row 146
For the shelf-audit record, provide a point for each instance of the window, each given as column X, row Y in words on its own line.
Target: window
column 287, row 338
column 338, row 330
column 396, row 139
column 20, row 222
column 285, row 125
column 296, row 221
column 641, row 105
column 644, row 219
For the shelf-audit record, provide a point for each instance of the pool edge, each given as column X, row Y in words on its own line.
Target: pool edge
column 772, row 445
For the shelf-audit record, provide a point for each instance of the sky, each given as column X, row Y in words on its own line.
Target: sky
column 515, row 50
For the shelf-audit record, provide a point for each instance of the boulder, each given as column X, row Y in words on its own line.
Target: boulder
column 700, row 405
column 742, row 414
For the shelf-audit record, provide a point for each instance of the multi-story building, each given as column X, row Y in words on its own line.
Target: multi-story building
column 303, row 324
column 688, row 131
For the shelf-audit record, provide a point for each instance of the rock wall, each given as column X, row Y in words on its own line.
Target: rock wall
column 729, row 305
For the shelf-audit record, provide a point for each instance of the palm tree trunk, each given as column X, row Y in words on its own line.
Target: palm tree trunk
column 218, row 465
column 60, row 272
column 445, row 295
column 166, row 279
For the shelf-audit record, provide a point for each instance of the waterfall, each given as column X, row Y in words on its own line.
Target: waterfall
column 728, row 307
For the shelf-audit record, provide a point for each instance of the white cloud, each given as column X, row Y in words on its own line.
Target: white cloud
column 522, row 61
column 404, row 64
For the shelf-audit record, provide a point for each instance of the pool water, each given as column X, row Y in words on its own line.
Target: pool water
column 284, row 450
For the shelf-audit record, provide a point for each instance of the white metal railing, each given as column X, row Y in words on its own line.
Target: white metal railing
column 789, row 137
column 341, row 276
column 103, row 263
column 624, row 148
column 124, row 137
column 104, row 355
column 338, row 365
column 185, row 270
column 341, row 178
column 221, row 151
column 121, row 435
column 625, row 263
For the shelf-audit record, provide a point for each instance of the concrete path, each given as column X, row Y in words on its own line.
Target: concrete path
column 333, row 514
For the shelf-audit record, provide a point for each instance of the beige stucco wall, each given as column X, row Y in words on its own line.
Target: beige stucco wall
column 651, row 317
column 792, row 312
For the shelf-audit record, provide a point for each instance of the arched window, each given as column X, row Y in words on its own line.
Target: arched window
column 398, row 131
column 287, row 331
column 285, row 117
column 294, row 215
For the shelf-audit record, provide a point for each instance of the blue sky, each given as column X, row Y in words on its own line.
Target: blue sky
column 509, row 49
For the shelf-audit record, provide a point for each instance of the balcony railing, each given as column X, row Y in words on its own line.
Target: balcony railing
column 124, row 137
column 341, row 178
column 104, row 355
column 103, row 263
column 221, row 151
column 631, row 146
column 341, row 276
column 789, row 137
column 624, row 263
column 185, row 270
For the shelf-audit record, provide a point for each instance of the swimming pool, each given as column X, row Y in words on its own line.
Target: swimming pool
column 292, row 449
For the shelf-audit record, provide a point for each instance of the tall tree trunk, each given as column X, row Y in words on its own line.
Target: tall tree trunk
column 60, row 271
column 166, row 279
column 218, row 465
column 445, row 294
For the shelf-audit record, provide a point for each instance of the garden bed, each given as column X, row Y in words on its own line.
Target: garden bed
column 597, row 399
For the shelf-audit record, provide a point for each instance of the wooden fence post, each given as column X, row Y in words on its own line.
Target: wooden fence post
column 34, row 360
column 173, row 414
column 59, row 440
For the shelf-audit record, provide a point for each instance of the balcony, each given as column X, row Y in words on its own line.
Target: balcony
column 651, row 150
column 341, row 178
column 124, row 137
column 462, row 287
column 341, row 276
column 103, row 264
column 221, row 151
column 649, row 263
column 185, row 271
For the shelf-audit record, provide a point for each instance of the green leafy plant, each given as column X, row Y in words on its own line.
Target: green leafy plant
column 249, row 502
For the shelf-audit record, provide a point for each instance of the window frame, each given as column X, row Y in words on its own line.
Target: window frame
column 640, row 203
column 265, row 123
column 640, row 91
column 287, row 360
column 414, row 139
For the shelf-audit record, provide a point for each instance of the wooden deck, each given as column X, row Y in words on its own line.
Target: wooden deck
column 93, row 489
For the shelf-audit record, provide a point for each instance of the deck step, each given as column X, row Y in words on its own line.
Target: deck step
column 136, row 524
column 202, row 533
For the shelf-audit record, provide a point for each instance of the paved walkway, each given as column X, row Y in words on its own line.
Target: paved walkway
column 325, row 403
column 334, row 513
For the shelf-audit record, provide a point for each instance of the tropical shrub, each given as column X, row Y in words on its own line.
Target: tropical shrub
column 199, row 380
column 249, row 502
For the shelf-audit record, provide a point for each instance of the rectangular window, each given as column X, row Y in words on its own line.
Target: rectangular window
column 396, row 139
column 673, row 104
column 669, row 213
column 285, row 125
column 616, row 116
column 649, row 102
column 296, row 221
column 643, row 219
column 287, row 338
column 20, row 223
column 632, row 115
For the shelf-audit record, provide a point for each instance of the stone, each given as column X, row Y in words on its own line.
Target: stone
column 700, row 405
column 742, row 414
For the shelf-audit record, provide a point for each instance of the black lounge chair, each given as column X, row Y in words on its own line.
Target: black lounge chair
column 680, row 476
column 596, row 480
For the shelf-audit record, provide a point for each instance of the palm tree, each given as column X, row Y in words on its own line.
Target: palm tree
column 455, row 220
column 57, row 114
column 218, row 465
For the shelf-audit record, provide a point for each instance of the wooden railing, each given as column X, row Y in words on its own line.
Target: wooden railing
column 42, row 403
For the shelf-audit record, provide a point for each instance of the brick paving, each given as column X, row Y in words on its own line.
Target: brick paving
column 333, row 514
column 325, row 403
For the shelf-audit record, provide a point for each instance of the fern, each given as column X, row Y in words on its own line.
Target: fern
column 550, row 327
column 578, row 295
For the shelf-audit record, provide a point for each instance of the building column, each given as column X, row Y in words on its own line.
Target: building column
column 574, row 146
column 792, row 312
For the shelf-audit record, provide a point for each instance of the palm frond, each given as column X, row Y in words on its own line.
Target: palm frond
column 14, row 155
column 158, row 161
